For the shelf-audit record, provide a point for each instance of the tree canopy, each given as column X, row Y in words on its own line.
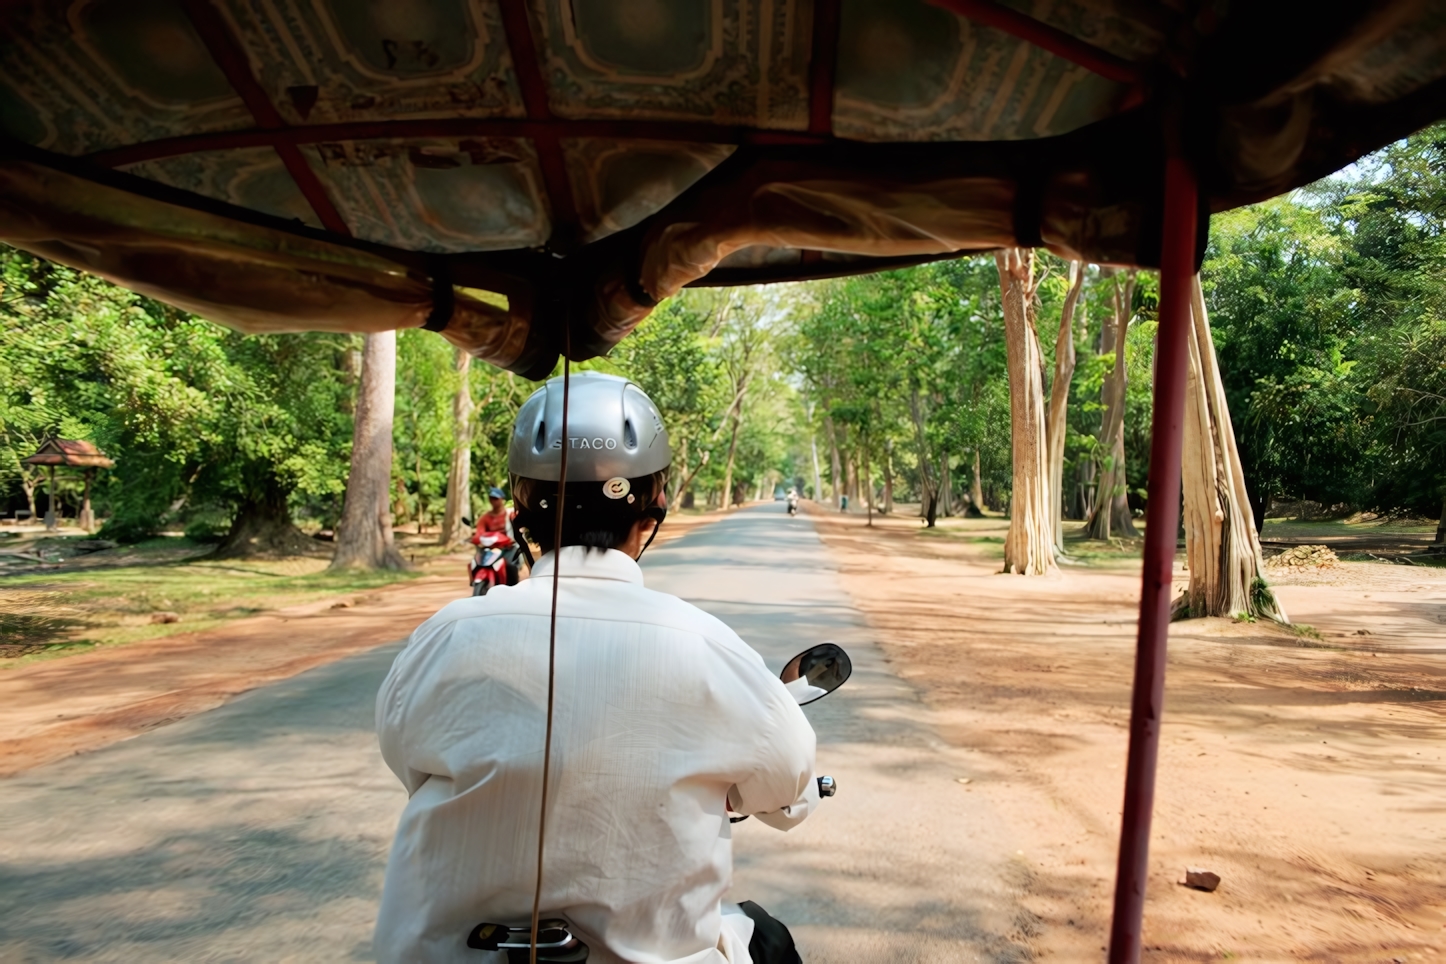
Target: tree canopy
column 1329, row 310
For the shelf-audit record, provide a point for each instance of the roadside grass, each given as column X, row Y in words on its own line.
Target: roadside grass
column 1099, row 553
column 1293, row 530
column 48, row 614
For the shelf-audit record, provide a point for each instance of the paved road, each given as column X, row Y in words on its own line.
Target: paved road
column 258, row 831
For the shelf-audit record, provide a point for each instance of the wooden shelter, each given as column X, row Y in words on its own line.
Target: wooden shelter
column 532, row 177
column 75, row 454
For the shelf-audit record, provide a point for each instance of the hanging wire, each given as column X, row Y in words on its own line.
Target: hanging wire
column 552, row 642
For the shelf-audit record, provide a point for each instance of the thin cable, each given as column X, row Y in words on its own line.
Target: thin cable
column 552, row 643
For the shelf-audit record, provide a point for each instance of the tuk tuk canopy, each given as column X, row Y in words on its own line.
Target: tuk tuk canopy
column 526, row 176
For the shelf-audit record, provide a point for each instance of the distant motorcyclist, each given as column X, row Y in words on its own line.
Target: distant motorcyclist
column 665, row 720
column 793, row 501
column 496, row 522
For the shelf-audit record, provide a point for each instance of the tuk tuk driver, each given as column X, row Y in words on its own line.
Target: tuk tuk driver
column 664, row 720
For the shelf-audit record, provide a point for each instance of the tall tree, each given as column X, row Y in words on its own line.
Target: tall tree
column 364, row 537
column 1057, row 426
column 459, row 473
column 1029, row 545
column 1222, row 546
column 1112, row 507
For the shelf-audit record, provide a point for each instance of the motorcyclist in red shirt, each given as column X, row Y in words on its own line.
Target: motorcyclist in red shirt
column 499, row 522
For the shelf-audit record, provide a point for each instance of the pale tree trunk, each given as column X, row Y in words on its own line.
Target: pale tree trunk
column 868, row 476
column 1029, row 546
column 976, row 485
column 364, row 535
column 1222, row 547
column 459, row 476
column 1056, row 426
column 1112, row 507
column 889, row 477
column 27, row 484
column 836, row 464
column 86, row 517
column 817, row 477
column 929, row 494
column 946, row 486
column 686, row 485
column 732, row 450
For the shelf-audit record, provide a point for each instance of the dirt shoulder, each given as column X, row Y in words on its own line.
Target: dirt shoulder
column 1306, row 771
column 60, row 707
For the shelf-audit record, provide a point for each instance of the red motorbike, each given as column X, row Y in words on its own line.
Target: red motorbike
column 494, row 563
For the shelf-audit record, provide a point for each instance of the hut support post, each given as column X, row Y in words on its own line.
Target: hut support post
column 1177, row 268
column 50, row 520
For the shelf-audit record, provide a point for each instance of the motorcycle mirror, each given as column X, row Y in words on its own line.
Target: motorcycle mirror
column 817, row 672
column 467, row 522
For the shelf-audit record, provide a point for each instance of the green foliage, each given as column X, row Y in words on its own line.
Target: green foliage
column 1328, row 306
column 1329, row 309
column 913, row 362
column 196, row 417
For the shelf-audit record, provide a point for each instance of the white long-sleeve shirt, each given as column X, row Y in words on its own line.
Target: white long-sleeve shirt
column 661, row 712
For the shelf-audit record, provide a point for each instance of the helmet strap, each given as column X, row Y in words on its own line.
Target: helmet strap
column 657, row 513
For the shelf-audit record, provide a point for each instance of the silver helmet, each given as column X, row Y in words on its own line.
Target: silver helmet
column 614, row 432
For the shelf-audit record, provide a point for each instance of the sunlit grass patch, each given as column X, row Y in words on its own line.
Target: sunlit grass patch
column 55, row 614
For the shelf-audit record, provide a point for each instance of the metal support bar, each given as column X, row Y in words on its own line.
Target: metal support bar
column 1045, row 37
column 546, row 139
column 822, row 66
column 1177, row 268
column 230, row 56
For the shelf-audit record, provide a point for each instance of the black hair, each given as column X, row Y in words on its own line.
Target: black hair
column 591, row 518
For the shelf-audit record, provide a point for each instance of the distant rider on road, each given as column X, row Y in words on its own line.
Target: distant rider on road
column 499, row 521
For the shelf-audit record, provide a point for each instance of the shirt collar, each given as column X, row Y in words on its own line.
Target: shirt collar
column 583, row 563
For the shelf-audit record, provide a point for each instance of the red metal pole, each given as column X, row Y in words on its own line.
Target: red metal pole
column 1177, row 268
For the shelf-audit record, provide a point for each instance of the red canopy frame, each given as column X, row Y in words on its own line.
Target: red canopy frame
column 1177, row 268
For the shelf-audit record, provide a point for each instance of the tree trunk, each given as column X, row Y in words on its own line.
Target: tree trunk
column 459, row 475
column 1029, row 546
column 1441, row 526
column 1056, row 426
column 680, row 496
column 976, row 486
column 85, row 518
column 680, row 483
column 52, row 521
column 868, row 485
column 1259, row 506
column 835, row 465
column 1084, row 489
column 1111, row 504
column 946, row 486
column 1221, row 544
column 364, row 535
column 732, row 450
column 817, row 477
column 263, row 526
column 889, row 477
column 928, row 488
column 27, row 485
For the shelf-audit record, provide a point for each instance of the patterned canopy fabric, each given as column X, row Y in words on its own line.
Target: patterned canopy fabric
column 532, row 176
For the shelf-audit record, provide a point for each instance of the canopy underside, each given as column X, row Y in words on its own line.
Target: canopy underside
column 502, row 169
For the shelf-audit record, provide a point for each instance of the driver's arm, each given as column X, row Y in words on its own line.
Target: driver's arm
column 782, row 790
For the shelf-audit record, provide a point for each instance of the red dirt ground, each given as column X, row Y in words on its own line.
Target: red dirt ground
column 1307, row 772
column 72, row 704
